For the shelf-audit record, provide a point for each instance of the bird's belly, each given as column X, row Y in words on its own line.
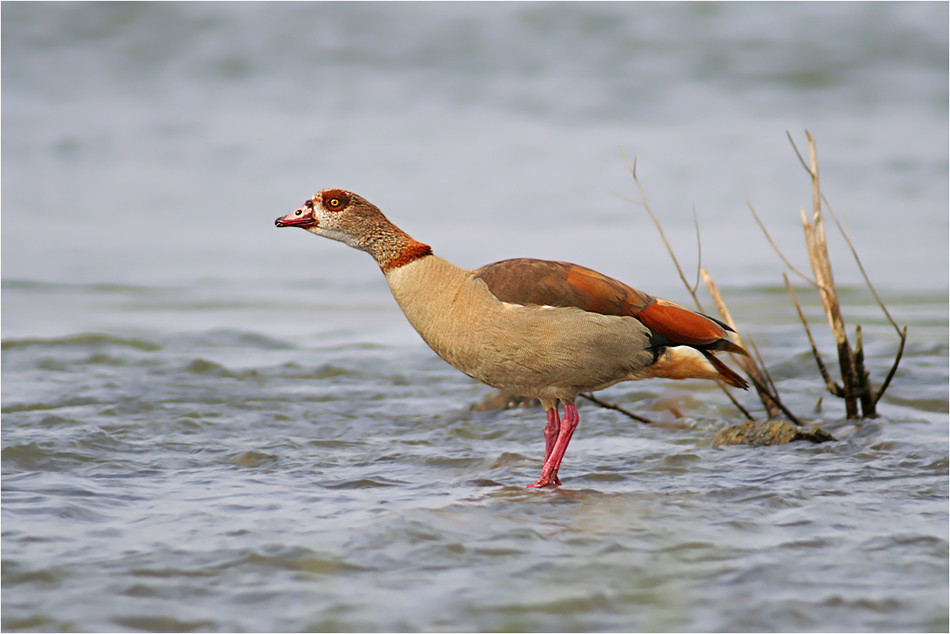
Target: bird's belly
column 541, row 351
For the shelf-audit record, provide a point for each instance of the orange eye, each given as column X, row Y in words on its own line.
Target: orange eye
column 334, row 199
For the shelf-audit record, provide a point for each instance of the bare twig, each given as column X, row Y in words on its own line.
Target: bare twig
column 821, row 265
column 643, row 203
column 719, row 302
column 865, row 393
column 797, row 153
column 768, row 398
column 616, row 408
column 780, row 405
column 735, row 402
column 868, row 398
column 699, row 271
column 692, row 289
column 815, row 182
column 777, row 250
column 833, row 387
column 890, row 375
column 864, row 273
column 771, row 398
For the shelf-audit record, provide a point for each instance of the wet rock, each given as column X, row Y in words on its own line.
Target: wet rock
column 764, row 433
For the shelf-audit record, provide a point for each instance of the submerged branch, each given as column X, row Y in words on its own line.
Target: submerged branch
column 616, row 408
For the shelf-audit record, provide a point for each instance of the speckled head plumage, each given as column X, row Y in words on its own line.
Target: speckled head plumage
column 341, row 215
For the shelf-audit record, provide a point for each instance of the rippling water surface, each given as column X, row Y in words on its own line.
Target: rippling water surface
column 212, row 425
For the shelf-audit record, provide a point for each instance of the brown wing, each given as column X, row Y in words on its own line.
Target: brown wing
column 681, row 325
column 547, row 283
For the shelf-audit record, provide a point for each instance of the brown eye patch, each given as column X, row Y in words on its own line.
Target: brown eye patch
column 335, row 199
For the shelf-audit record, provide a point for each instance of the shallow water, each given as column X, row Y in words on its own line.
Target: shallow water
column 212, row 425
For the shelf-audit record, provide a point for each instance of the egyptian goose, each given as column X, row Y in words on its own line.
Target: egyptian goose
column 536, row 328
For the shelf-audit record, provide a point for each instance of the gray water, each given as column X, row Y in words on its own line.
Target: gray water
column 213, row 425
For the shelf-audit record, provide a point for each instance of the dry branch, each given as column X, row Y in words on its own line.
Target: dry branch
column 821, row 265
column 833, row 387
column 769, row 397
column 901, row 332
column 864, row 274
column 855, row 385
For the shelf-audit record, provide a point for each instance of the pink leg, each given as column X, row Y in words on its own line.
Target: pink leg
column 551, row 431
column 553, row 461
column 572, row 419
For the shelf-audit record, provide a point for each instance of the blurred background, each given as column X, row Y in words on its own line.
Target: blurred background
column 213, row 424
column 154, row 144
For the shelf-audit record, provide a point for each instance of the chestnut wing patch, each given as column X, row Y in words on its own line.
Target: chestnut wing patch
column 681, row 325
column 528, row 281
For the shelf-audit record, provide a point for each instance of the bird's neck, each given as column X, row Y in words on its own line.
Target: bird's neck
column 392, row 247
